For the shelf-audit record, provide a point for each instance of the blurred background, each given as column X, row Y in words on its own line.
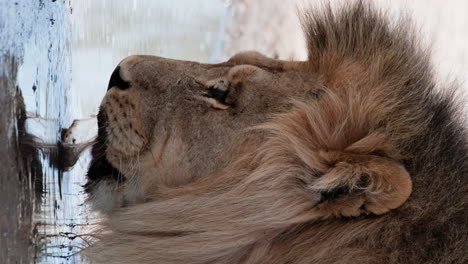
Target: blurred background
column 55, row 62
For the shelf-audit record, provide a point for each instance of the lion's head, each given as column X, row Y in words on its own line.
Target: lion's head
column 258, row 160
column 165, row 123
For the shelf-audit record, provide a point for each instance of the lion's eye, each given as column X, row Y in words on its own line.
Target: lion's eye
column 217, row 93
column 218, row 90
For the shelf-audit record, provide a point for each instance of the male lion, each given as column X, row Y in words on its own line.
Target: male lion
column 349, row 157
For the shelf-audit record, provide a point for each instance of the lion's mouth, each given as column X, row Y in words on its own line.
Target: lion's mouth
column 100, row 168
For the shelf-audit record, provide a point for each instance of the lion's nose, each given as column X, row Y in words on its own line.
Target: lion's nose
column 121, row 77
column 117, row 81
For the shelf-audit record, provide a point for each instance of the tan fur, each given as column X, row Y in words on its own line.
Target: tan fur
column 350, row 157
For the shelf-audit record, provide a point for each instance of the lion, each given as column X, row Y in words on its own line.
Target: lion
column 353, row 156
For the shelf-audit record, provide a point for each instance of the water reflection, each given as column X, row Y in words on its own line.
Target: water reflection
column 39, row 35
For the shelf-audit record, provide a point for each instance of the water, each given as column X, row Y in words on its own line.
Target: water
column 66, row 51
column 38, row 34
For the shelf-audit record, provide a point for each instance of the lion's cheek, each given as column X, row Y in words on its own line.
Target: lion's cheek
column 164, row 164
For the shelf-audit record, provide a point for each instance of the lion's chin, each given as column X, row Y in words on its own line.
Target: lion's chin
column 108, row 188
column 101, row 170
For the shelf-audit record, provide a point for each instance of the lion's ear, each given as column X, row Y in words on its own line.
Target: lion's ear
column 357, row 183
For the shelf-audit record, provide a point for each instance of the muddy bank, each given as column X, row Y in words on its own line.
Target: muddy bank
column 16, row 179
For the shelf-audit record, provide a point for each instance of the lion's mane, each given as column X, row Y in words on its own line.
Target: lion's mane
column 383, row 103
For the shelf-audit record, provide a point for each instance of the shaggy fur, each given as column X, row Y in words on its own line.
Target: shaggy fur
column 370, row 168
